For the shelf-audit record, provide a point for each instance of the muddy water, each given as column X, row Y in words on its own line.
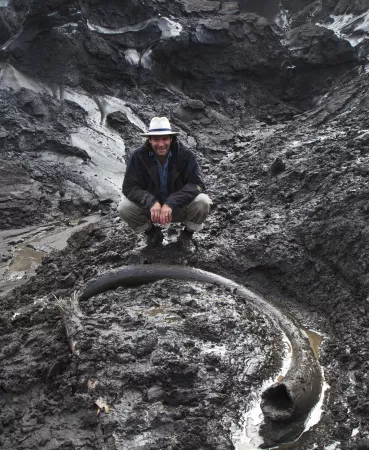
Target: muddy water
column 315, row 341
column 23, row 249
column 25, row 259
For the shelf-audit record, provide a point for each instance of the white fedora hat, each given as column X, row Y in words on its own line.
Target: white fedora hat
column 160, row 126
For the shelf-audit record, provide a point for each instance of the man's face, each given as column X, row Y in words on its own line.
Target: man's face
column 160, row 145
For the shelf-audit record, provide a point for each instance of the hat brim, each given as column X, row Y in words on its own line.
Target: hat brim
column 160, row 133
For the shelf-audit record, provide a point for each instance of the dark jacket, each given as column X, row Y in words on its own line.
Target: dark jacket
column 142, row 181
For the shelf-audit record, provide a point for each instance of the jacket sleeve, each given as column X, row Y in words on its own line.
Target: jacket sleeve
column 192, row 188
column 133, row 187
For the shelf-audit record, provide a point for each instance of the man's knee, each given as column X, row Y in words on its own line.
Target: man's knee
column 203, row 202
column 124, row 208
column 134, row 215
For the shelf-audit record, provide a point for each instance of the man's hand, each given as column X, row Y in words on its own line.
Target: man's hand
column 166, row 215
column 156, row 213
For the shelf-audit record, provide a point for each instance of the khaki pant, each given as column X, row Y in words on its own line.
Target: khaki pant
column 192, row 215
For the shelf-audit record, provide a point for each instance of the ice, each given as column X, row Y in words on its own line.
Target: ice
column 168, row 27
column 146, row 60
column 103, row 144
column 110, row 104
column 103, row 30
column 70, row 24
column 132, row 56
column 338, row 23
column 333, row 446
column 86, row 102
column 220, row 350
column 359, row 27
column 106, row 170
column 12, row 78
column 281, row 19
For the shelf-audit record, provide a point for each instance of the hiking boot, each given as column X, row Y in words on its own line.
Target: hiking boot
column 185, row 242
column 154, row 237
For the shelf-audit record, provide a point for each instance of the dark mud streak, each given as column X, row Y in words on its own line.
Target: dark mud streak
column 285, row 401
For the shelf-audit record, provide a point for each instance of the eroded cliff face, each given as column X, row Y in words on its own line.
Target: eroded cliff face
column 212, row 65
column 276, row 111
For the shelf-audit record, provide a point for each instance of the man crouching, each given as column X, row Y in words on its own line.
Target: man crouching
column 163, row 184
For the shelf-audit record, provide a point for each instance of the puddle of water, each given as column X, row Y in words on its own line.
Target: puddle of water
column 33, row 244
column 166, row 316
column 315, row 341
column 25, row 259
column 156, row 312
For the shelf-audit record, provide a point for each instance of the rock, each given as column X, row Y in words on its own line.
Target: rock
column 268, row 9
column 190, row 110
column 315, row 45
column 69, row 280
column 255, row 50
column 21, row 199
column 362, row 170
column 129, row 131
column 278, row 166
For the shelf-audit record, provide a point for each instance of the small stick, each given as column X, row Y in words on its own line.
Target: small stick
column 71, row 315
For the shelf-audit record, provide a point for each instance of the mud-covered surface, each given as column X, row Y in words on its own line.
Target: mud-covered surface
column 276, row 113
column 168, row 365
column 110, row 244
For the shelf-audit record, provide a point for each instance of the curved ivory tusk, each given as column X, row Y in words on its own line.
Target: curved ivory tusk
column 285, row 401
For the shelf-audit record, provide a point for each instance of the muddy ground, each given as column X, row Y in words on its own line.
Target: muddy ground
column 277, row 117
column 154, row 367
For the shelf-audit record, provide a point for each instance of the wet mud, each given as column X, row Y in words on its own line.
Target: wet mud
column 92, row 342
column 277, row 117
column 288, row 400
column 165, row 365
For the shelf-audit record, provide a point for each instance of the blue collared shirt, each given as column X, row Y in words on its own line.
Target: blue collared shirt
column 163, row 173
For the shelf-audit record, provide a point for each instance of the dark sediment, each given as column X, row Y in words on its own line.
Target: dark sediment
column 284, row 154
